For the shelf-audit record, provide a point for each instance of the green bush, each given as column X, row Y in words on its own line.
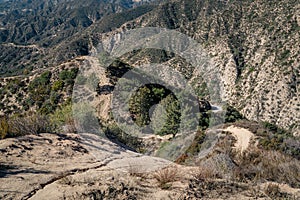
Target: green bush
column 232, row 114
column 275, row 138
column 55, row 97
column 63, row 118
column 68, row 74
column 57, row 85
column 167, row 119
column 39, row 88
column 172, row 116
column 47, row 107
column 14, row 85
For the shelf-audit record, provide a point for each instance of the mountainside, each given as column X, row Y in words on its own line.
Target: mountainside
column 46, row 24
column 255, row 46
column 73, row 129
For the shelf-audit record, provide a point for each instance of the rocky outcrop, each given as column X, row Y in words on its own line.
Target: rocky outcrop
column 47, row 162
column 86, row 166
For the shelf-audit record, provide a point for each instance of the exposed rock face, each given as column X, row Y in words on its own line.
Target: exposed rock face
column 70, row 166
column 37, row 165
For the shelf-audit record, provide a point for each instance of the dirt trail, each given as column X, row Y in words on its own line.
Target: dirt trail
column 243, row 137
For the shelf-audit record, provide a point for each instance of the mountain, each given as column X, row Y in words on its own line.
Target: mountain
column 47, row 149
column 46, row 24
column 255, row 45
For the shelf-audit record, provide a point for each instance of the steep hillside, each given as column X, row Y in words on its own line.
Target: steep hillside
column 254, row 44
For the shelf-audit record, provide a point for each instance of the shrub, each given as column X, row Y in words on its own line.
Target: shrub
column 166, row 113
column 268, row 165
column 33, row 124
column 62, row 119
column 193, row 149
column 218, row 165
column 55, row 97
column 272, row 137
column 172, row 116
column 68, row 74
column 4, row 127
column 58, row 85
column 39, row 88
column 205, row 173
column 232, row 114
column 166, row 176
column 280, row 140
column 24, row 125
column 272, row 190
column 14, row 85
column 47, row 107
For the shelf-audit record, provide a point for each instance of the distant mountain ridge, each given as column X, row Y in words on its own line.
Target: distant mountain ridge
column 48, row 23
column 27, row 22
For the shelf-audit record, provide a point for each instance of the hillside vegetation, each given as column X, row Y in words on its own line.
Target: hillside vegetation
column 251, row 150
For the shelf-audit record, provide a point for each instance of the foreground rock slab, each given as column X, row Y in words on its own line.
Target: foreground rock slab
column 31, row 163
column 86, row 166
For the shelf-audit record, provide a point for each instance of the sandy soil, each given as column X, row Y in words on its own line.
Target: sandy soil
column 243, row 137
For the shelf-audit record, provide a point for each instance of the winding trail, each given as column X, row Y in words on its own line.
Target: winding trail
column 243, row 137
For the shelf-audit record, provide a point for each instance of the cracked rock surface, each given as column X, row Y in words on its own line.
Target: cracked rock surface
column 34, row 163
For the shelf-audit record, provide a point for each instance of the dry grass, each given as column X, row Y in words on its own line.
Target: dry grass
column 4, row 127
column 272, row 190
column 260, row 165
column 166, row 176
column 205, row 173
column 18, row 126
